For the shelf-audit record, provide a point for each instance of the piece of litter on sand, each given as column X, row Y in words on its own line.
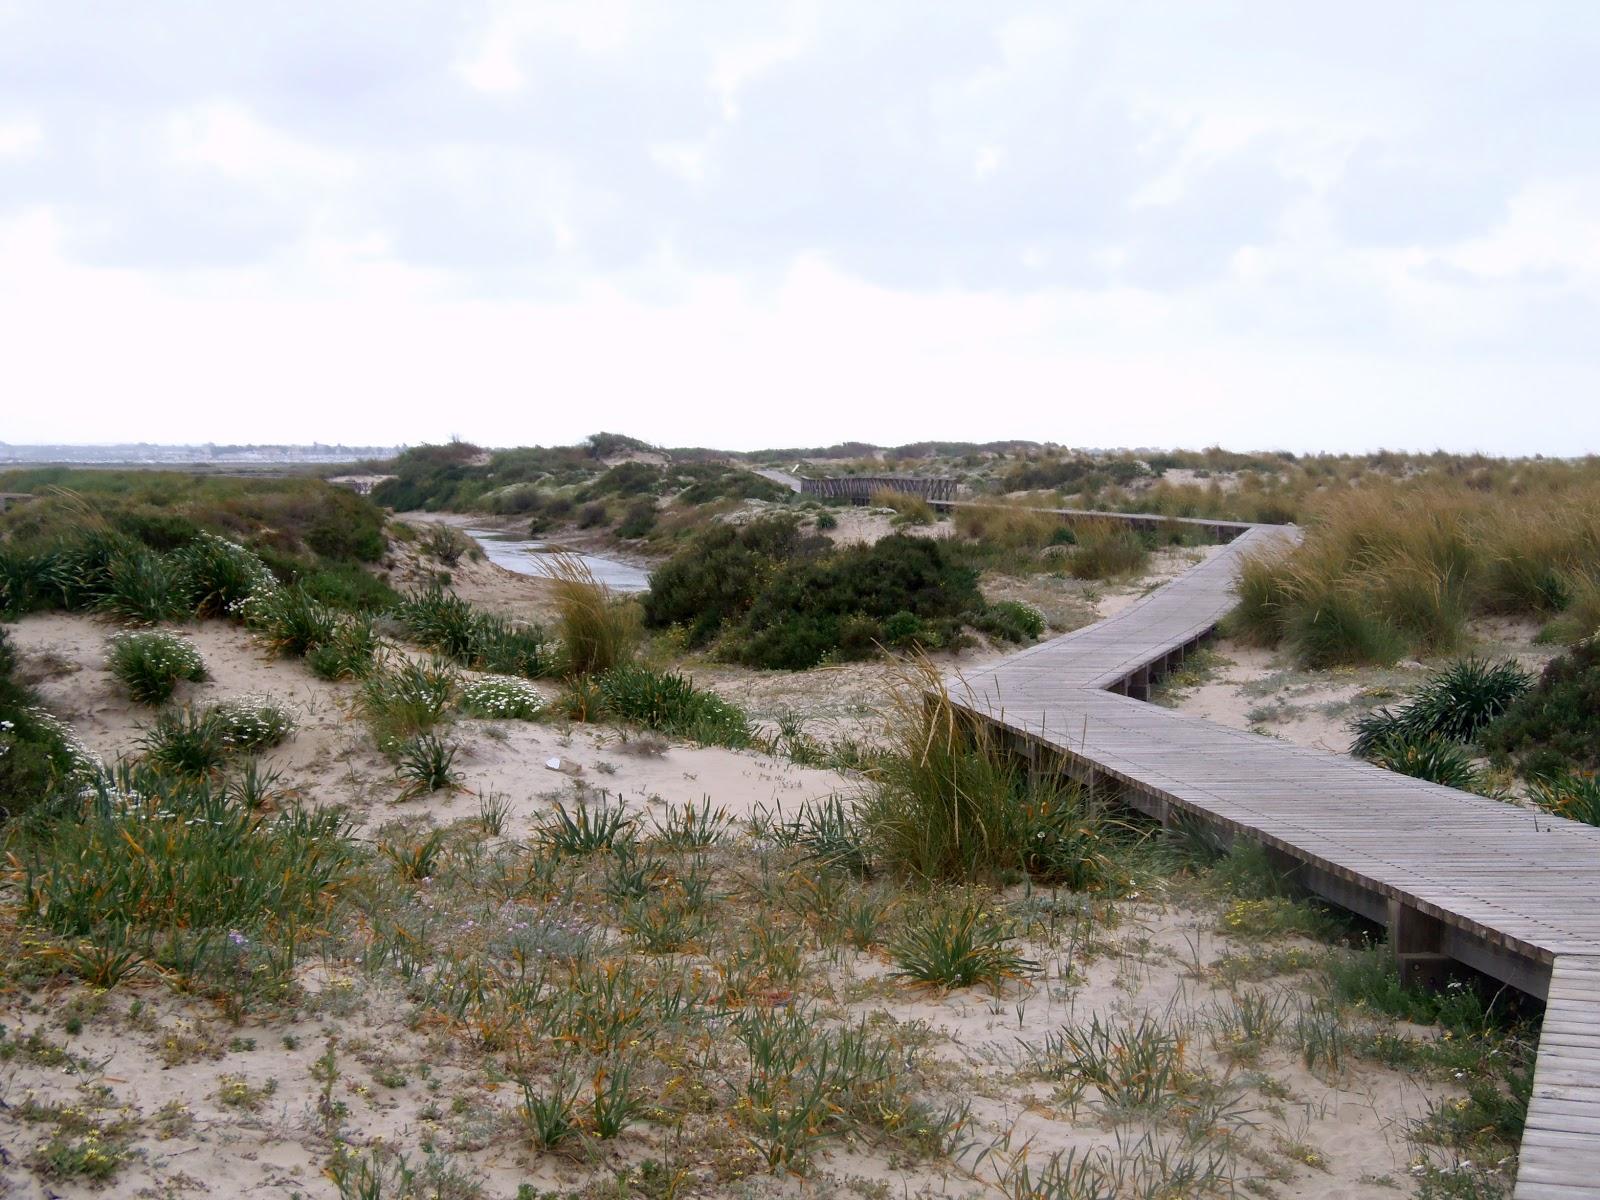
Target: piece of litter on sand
column 565, row 766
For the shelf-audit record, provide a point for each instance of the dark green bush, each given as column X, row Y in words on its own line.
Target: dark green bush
column 638, row 520
column 1456, row 704
column 1558, row 719
column 716, row 578
column 836, row 604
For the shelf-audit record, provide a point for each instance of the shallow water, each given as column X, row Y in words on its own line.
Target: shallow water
column 528, row 557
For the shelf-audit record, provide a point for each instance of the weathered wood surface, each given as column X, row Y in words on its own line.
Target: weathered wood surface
column 864, row 487
column 1509, row 891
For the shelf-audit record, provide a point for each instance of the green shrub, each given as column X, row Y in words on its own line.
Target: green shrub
column 715, row 580
column 835, row 604
column 670, row 703
column 826, row 520
column 501, row 697
column 638, row 520
column 151, row 665
column 1558, row 719
column 349, row 587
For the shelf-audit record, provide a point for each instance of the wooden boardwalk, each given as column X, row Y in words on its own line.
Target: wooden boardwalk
column 1453, row 876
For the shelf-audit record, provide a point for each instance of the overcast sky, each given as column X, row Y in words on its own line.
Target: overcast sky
column 1282, row 224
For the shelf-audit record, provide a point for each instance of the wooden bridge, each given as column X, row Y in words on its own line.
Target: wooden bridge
column 1454, row 877
column 859, row 489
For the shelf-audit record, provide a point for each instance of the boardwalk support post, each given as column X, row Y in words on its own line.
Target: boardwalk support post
column 1418, row 943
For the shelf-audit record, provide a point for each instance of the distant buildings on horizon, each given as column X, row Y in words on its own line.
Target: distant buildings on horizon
column 209, row 452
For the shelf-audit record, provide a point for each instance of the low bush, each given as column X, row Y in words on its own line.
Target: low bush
column 251, row 724
column 216, row 575
column 1011, row 527
column 185, row 742
column 835, row 605
column 1010, row 620
column 142, row 588
column 908, row 509
column 150, row 665
column 714, row 581
column 1557, row 721
column 448, row 625
column 501, row 697
column 290, row 620
column 351, row 653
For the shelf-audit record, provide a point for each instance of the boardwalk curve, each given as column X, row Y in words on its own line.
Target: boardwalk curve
column 1452, row 876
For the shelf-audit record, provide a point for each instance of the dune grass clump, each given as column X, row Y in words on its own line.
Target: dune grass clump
column 351, row 653
column 185, row 742
column 289, row 619
column 598, row 631
column 141, row 588
column 407, row 700
column 944, row 802
column 956, row 946
column 209, row 875
column 908, row 509
column 1012, row 527
column 669, row 703
column 1107, row 550
column 448, row 625
column 1571, row 794
column 150, row 665
column 1394, row 568
column 216, row 575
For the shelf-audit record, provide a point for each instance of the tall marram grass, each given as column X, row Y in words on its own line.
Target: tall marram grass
column 598, row 631
column 946, row 802
column 1394, row 569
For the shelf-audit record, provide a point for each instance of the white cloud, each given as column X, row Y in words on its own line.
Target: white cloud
column 19, row 138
